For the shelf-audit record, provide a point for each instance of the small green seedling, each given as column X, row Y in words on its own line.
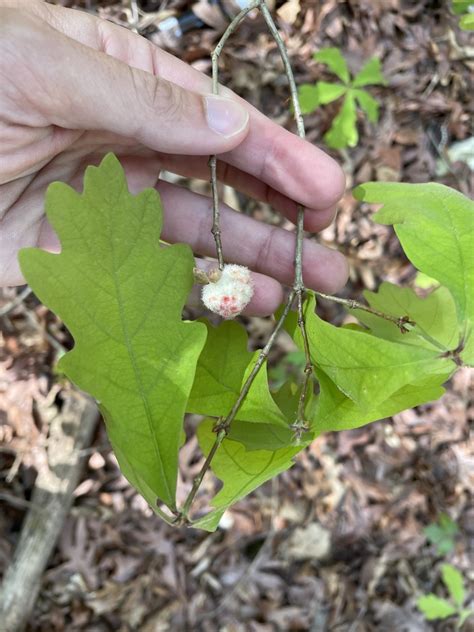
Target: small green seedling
column 466, row 11
column 442, row 534
column 343, row 132
column 434, row 607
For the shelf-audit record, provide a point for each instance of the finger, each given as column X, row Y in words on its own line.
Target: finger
column 263, row 248
column 94, row 91
column 197, row 167
column 281, row 160
column 266, row 299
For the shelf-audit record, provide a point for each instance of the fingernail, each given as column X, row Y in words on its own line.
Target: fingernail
column 224, row 116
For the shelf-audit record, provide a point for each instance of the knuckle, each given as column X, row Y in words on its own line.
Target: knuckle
column 265, row 253
column 157, row 96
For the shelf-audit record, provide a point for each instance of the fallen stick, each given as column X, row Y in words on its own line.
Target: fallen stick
column 70, row 432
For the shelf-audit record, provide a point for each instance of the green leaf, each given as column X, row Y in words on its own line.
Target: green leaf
column 240, row 471
column 435, row 225
column 335, row 411
column 308, row 97
column 335, row 61
column 328, row 92
column 467, row 22
column 434, row 316
column 435, row 608
column 442, row 534
column 343, row 131
column 365, row 368
column 261, row 436
column 461, row 6
column 368, row 104
column 370, row 74
column 270, row 437
column 121, row 296
column 222, row 369
column 454, row 582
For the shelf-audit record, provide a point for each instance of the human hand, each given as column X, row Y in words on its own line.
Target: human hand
column 73, row 87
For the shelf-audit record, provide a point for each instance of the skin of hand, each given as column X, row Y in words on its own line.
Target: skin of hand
column 74, row 87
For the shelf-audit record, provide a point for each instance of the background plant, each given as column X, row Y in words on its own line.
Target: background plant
column 434, row 607
column 442, row 534
column 466, row 11
column 343, row 131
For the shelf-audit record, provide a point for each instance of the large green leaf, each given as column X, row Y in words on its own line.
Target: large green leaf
column 435, row 316
column 261, row 436
column 334, row 59
column 240, row 471
column 121, row 295
column 365, row 368
column 343, row 131
column 221, row 372
column 335, row 411
column 435, row 225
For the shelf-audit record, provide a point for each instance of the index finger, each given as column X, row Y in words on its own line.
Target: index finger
column 292, row 166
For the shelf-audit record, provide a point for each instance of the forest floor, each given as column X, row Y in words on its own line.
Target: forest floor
column 337, row 543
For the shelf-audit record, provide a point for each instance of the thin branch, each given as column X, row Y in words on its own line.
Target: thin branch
column 215, row 230
column 171, row 520
column 300, row 424
column 400, row 321
column 19, row 298
column 135, row 15
column 222, row 427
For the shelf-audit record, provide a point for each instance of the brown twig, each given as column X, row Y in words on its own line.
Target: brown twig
column 400, row 321
column 300, row 424
column 223, row 425
column 19, row 298
column 215, row 230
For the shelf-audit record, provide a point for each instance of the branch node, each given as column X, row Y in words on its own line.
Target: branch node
column 299, row 427
column 200, row 276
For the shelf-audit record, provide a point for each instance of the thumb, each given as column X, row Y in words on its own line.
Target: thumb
column 87, row 89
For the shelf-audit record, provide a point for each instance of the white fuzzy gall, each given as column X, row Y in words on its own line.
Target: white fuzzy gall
column 231, row 293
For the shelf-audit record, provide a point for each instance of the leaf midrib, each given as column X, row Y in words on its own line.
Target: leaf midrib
column 135, row 369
